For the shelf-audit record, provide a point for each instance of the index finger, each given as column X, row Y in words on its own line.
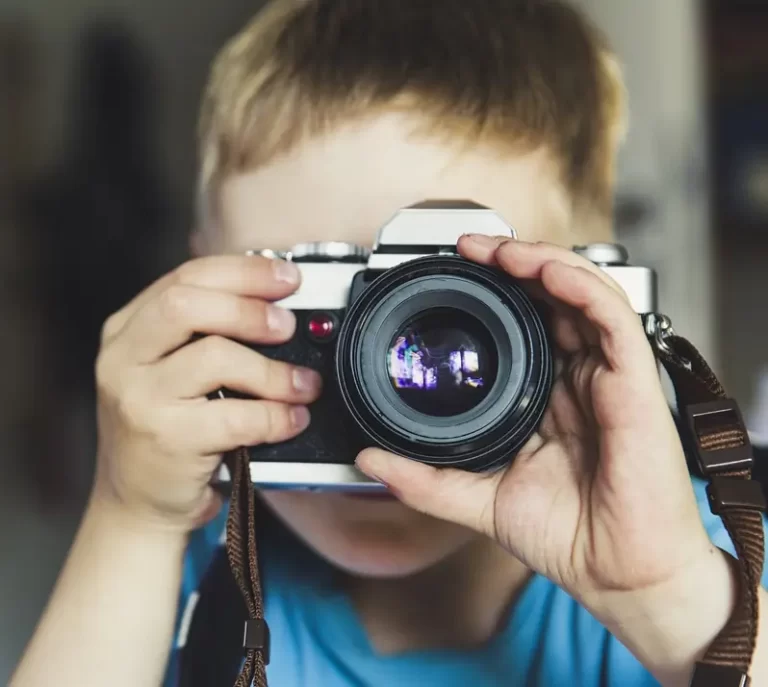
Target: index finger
column 526, row 260
column 244, row 275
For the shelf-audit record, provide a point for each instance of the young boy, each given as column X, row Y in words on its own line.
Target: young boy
column 590, row 561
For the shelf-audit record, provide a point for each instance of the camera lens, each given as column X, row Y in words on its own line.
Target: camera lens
column 443, row 363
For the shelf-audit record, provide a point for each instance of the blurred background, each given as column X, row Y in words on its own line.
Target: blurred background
column 98, row 107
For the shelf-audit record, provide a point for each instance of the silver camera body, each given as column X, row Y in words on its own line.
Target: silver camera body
column 331, row 277
column 428, row 228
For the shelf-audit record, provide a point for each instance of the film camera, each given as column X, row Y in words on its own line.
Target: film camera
column 422, row 352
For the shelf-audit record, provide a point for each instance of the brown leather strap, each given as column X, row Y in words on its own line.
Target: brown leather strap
column 243, row 559
column 723, row 451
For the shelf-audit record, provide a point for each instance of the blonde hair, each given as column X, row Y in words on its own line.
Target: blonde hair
column 517, row 74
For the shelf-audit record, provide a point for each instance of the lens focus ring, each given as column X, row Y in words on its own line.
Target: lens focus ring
column 445, row 361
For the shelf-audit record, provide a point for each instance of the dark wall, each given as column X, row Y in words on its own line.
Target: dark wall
column 737, row 36
column 98, row 110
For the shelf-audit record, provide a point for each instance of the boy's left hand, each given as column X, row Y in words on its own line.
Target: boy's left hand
column 600, row 500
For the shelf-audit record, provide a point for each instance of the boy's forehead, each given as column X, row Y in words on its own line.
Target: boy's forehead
column 346, row 185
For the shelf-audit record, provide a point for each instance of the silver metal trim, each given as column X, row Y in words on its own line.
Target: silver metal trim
column 334, row 250
column 441, row 223
column 639, row 283
column 386, row 261
column 308, row 476
column 268, row 253
column 324, row 286
column 604, row 253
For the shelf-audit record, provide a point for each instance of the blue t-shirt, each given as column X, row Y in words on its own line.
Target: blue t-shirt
column 317, row 638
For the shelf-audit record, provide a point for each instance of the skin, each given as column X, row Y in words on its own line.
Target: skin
column 580, row 505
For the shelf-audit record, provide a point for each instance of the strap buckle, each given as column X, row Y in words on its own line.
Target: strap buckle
column 709, row 675
column 256, row 637
column 733, row 493
column 722, row 423
column 722, row 415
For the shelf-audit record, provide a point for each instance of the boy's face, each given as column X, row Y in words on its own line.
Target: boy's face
column 343, row 188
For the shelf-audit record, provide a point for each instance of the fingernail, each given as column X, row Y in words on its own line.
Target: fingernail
column 286, row 272
column 299, row 417
column 306, row 381
column 280, row 320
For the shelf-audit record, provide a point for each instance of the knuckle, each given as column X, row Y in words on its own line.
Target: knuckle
column 110, row 327
column 174, row 302
column 190, row 272
column 126, row 404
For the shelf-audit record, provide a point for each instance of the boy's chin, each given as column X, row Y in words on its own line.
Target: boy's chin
column 368, row 538
column 382, row 559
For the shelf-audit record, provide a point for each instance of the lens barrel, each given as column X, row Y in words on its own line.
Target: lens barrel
column 446, row 362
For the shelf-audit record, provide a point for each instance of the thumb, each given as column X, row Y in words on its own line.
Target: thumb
column 465, row 498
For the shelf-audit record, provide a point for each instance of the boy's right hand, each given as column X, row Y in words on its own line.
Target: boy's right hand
column 160, row 438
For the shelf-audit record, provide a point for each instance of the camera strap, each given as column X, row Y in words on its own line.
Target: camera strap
column 721, row 447
column 244, row 562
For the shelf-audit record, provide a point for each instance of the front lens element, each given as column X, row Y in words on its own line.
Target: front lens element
column 443, row 363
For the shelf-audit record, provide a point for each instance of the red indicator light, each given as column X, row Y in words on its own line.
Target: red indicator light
column 321, row 326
